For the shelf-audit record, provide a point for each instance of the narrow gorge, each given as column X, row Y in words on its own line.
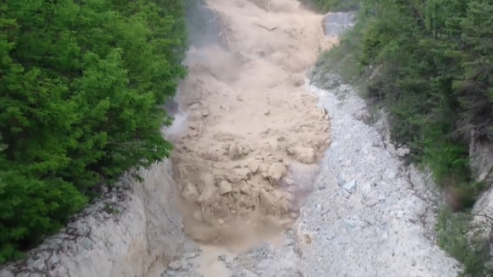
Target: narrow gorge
column 270, row 176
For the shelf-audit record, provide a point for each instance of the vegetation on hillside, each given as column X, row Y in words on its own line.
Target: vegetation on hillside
column 430, row 65
column 81, row 84
column 431, row 68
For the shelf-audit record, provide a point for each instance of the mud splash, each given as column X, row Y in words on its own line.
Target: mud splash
column 247, row 156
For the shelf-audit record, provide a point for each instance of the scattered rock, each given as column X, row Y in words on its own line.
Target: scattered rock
column 303, row 154
column 194, row 106
column 238, row 174
column 403, row 151
column 208, row 189
column 190, row 192
column 253, row 166
column 371, row 201
column 380, row 126
column 225, row 187
column 276, row 171
column 235, row 151
column 390, row 174
column 350, row 186
column 37, row 264
column 354, row 223
column 54, row 259
column 362, row 115
column 345, row 193
column 340, row 179
column 191, row 255
column 6, row 273
column 267, row 200
column 365, row 211
column 175, row 265
column 381, row 198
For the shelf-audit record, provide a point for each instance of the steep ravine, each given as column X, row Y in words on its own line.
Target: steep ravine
column 368, row 215
column 250, row 136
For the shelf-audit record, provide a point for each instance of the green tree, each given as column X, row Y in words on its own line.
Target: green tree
column 81, row 85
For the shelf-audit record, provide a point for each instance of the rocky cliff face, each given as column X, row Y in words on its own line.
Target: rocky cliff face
column 337, row 23
column 123, row 234
column 481, row 155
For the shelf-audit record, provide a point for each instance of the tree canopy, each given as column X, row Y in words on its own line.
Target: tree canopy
column 81, row 88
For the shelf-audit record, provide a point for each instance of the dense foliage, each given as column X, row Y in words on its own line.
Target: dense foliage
column 432, row 68
column 436, row 74
column 430, row 65
column 81, row 84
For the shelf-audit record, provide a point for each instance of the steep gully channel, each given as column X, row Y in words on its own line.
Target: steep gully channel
column 251, row 139
column 265, row 185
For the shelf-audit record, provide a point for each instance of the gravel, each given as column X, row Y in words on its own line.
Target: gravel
column 385, row 226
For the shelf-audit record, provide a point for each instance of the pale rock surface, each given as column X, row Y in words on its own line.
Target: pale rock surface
column 481, row 162
column 481, row 154
column 124, row 234
column 380, row 221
